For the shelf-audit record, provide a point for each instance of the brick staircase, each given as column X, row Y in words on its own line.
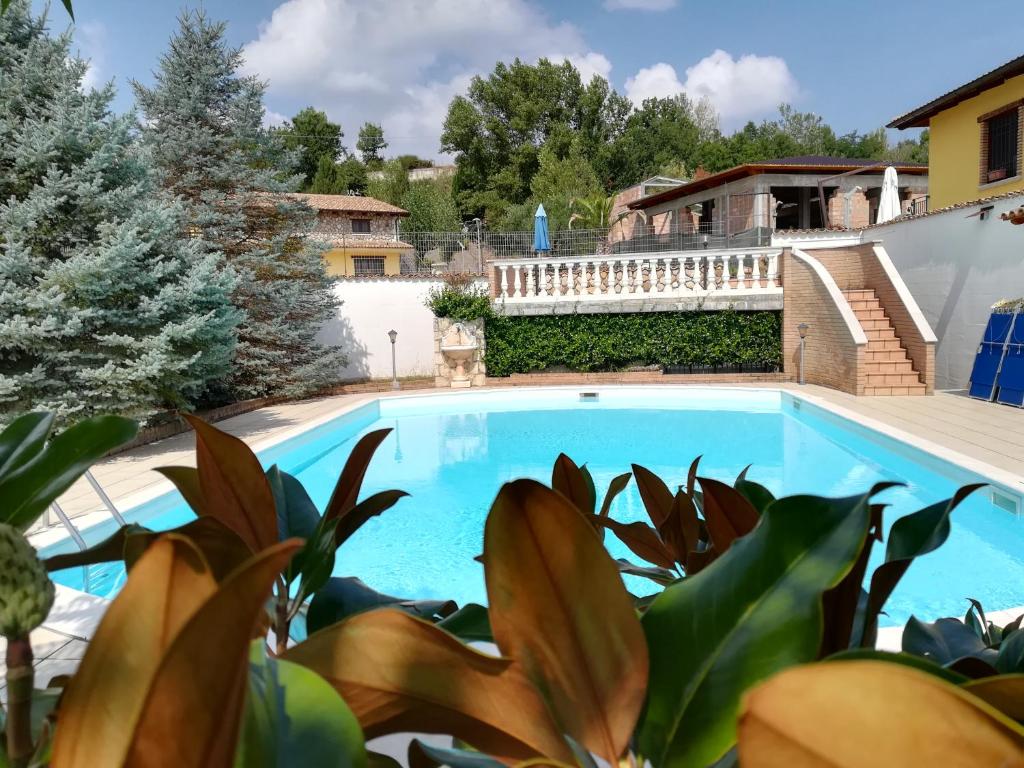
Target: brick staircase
column 889, row 368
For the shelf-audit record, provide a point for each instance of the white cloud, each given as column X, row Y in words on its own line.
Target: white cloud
column 272, row 119
column 639, row 5
column 399, row 63
column 750, row 86
column 91, row 37
column 656, row 82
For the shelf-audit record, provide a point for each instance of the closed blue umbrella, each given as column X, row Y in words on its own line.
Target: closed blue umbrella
column 540, row 231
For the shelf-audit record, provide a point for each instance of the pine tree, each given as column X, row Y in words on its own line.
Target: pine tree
column 203, row 127
column 103, row 307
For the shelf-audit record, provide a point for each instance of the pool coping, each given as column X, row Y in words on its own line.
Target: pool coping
column 888, row 637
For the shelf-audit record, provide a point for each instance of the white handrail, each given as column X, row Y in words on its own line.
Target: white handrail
column 623, row 276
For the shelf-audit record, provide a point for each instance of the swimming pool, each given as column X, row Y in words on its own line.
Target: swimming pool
column 452, row 452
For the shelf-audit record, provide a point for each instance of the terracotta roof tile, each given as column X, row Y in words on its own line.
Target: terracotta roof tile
column 349, row 203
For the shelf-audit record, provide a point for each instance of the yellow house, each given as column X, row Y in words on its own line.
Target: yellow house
column 976, row 137
column 361, row 234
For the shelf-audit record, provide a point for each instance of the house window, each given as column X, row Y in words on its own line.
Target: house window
column 1000, row 146
column 360, row 226
column 368, row 265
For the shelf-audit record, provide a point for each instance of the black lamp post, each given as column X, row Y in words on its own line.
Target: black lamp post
column 802, row 330
column 393, row 334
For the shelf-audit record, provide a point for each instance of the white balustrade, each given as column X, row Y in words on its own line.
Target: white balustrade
column 635, row 276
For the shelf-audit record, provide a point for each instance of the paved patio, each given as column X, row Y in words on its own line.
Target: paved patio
column 986, row 437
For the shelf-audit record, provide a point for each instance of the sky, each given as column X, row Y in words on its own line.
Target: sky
column 400, row 62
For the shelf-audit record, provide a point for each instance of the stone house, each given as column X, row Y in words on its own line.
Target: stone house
column 361, row 234
column 746, row 203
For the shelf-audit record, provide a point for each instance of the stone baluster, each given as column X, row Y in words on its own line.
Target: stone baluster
column 571, row 286
column 517, row 281
column 530, row 291
column 504, row 282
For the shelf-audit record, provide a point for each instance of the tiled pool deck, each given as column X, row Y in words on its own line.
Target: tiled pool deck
column 986, row 437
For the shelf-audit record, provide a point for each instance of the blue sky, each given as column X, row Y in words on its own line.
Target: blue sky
column 400, row 61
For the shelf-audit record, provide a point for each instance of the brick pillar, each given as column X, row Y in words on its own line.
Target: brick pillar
column 849, row 209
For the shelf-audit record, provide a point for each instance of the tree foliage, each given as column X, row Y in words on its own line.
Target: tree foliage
column 203, row 129
column 105, row 308
column 314, row 137
column 371, row 144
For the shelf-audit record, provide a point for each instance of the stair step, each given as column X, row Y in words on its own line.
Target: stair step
column 889, row 366
column 872, row 355
column 891, row 379
column 911, row 389
column 891, row 344
column 875, row 324
column 874, row 313
column 859, row 294
column 881, row 334
column 859, row 304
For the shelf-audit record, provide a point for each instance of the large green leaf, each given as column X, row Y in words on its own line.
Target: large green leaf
column 342, row 597
column 352, row 520
column 23, row 439
column 28, row 490
column 469, row 623
column 297, row 515
column 911, row 536
column 295, row 719
column 346, row 491
column 945, row 641
column 754, row 492
column 754, row 611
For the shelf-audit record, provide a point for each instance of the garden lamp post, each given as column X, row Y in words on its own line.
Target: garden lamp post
column 393, row 334
column 802, row 330
column 479, row 246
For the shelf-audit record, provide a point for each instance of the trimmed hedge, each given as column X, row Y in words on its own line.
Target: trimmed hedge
column 616, row 341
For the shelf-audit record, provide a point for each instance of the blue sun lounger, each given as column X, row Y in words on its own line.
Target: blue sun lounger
column 1011, row 374
column 989, row 359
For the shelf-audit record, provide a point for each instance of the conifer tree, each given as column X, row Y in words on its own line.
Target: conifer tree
column 204, row 128
column 103, row 307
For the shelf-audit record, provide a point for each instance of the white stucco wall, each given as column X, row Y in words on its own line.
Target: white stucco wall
column 370, row 308
column 956, row 266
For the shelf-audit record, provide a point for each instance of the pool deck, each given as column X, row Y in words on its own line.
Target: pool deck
column 985, row 437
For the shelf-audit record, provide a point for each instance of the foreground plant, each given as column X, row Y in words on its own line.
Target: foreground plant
column 36, row 467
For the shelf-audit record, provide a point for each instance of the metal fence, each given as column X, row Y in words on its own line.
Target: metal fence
column 439, row 252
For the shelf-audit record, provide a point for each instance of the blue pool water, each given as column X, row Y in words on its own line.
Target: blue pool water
column 453, row 452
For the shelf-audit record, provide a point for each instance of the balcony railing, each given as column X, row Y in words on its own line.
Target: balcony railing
column 638, row 275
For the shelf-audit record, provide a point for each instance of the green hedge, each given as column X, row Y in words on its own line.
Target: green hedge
column 614, row 342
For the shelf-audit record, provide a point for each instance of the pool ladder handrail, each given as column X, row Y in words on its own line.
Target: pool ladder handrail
column 72, row 529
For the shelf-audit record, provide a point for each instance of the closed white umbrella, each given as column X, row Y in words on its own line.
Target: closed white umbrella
column 889, row 202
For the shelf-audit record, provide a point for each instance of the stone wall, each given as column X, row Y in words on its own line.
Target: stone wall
column 340, row 223
column 445, row 369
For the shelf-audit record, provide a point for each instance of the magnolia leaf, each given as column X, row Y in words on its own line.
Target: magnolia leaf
column 944, row 641
column 910, row 536
column 655, row 495
column 727, row 513
column 759, row 496
column 186, row 480
column 234, row 486
column 559, row 608
column 342, row 597
column 297, row 515
column 470, row 623
column 111, row 549
column 352, row 520
column 30, row 487
column 642, row 540
column 423, row 755
column 917, row 662
column 569, row 480
column 1011, row 654
column 402, row 674
column 23, row 439
column 100, row 710
column 295, row 719
column 681, row 528
column 346, row 491
column 1004, row 692
column 661, row 576
column 202, row 682
column 615, row 487
column 820, row 715
column 755, row 610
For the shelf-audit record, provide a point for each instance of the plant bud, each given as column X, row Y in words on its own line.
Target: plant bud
column 26, row 592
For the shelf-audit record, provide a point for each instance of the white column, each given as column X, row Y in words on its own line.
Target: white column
column 572, row 280
column 516, row 280
column 504, row 281
column 530, row 292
